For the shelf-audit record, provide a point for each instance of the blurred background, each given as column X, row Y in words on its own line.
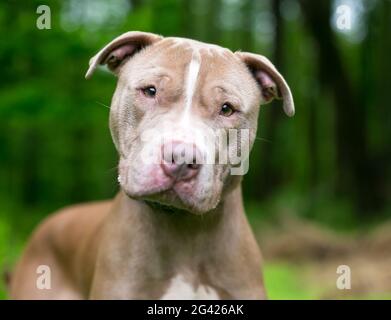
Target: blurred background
column 318, row 191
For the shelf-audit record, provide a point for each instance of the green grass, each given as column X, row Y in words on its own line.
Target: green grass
column 284, row 281
column 4, row 235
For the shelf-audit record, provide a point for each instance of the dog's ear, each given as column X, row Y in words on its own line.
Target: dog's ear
column 271, row 82
column 120, row 49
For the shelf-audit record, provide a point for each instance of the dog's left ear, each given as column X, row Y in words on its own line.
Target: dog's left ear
column 120, row 49
column 271, row 82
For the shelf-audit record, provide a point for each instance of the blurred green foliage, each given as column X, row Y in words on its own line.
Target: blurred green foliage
column 331, row 162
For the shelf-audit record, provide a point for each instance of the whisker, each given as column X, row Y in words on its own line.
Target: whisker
column 109, row 170
column 102, row 104
column 263, row 139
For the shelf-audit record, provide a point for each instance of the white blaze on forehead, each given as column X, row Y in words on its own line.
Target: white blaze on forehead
column 191, row 81
column 193, row 68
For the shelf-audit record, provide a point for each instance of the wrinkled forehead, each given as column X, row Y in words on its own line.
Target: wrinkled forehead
column 206, row 62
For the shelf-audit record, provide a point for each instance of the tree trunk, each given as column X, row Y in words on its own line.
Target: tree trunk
column 269, row 175
column 354, row 176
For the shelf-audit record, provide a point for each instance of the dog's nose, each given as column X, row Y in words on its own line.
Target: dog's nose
column 179, row 160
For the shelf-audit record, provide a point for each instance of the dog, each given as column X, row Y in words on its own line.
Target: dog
column 176, row 229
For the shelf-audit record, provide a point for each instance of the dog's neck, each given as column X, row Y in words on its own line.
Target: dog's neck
column 208, row 249
column 182, row 226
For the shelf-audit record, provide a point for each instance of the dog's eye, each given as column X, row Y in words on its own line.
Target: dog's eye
column 149, row 91
column 226, row 110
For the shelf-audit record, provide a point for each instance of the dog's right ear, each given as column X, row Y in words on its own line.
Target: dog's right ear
column 120, row 49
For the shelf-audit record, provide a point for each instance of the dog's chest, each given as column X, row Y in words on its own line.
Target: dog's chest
column 181, row 288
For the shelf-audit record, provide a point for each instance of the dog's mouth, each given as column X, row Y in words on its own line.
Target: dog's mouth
column 196, row 193
column 164, row 208
column 168, row 199
column 176, row 196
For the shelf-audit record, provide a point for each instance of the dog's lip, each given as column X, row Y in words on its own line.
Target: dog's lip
column 150, row 192
column 177, row 194
column 171, row 187
column 172, row 199
column 183, row 187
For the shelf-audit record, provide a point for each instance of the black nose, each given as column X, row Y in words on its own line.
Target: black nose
column 179, row 160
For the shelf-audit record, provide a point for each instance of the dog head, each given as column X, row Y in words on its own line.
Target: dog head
column 184, row 116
